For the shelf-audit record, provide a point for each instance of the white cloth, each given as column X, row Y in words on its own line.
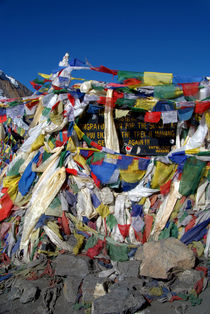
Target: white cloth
column 169, row 116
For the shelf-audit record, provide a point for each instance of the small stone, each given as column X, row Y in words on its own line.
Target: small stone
column 161, row 258
column 68, row 265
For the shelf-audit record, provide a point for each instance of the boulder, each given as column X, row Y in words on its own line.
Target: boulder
column 15, row 293
column 119, row 300
column 139, row 253
column 92, row 287
column 24, row 290
column 70, row 288
column 28, row 295
column 68, row 265
column 129, row 268
column 162, row 257
column 186, row 281
column 130, row 283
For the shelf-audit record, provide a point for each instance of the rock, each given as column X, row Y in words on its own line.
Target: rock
column 164, row 256
column 190, row 276
column 49, row 297
column 129, row 268
column 68, row 265
column 92, row 287
column 70, row 288
column 186, row 280
column 28, row 295
column 15, row 293
column 120, row 300
column 23, row 290
column 139, row 254
column 62, row 306
column 130, row 282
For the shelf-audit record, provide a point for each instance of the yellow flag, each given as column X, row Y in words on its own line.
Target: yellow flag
column 77, row 78
column 46, row 76
column 192, row 151
column 162, row 174
column 11, row 182
column 132, row 174
column 207, row 117
column 39, row 141
column 103, row 210
column 145, row 103
column 80, row 134
column 156, row 78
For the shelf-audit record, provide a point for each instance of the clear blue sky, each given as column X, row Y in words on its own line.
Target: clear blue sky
column 152, row 35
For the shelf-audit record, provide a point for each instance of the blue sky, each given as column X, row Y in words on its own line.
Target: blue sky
column 156, row 35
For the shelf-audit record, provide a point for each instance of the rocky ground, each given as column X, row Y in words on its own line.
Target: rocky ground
column 79, row 284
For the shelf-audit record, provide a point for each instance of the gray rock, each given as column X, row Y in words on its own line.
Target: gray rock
column 120, row 300
column 190, row 276
column 88, row 287
column 49, row 297
column 129, row 268
column 130, row 282
column 24, row 290
column 15, row 293
column 68, row 265
column 28, row 295
column 163, row 257
column 70, row 288
column 186, row 281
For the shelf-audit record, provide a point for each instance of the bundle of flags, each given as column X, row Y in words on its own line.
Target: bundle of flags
column 61, row 176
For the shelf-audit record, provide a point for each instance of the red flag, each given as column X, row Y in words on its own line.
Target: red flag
column 3, row 118
column 65, row 224
column 153, row 117
column 132, row 81
column 71, row 99
column 104, row 70
column 96, row 249
column 95, row 179
column 190, row 224
column 6, row 205
column 56, row 87
column 148, row 226
column 124, row 230
column 190, row 89
column 36, row 86
column 165, row 188
column 201, row 106
column 32, row 103
column 55, row 105
column 71, row 171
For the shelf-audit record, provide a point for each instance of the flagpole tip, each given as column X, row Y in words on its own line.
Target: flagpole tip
column 65, row 61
